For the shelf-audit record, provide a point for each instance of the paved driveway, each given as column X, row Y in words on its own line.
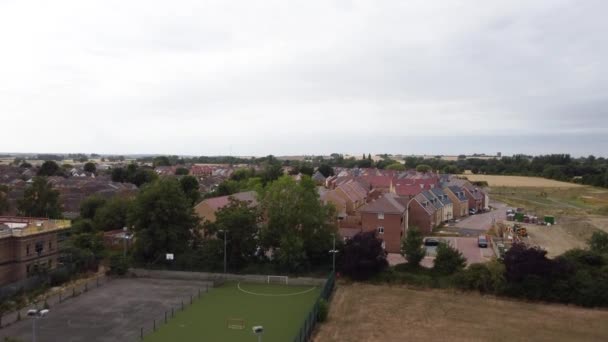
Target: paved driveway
column 474, row 224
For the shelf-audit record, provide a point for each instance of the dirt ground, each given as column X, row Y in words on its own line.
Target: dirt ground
column 361, row 312
column 519, row 181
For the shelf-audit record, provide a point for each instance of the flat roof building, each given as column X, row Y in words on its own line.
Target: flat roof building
column 27, row 245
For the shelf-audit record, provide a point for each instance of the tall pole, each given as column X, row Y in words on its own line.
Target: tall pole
column 34, row 329
column 124, row 242
column 225, row 255
column 334, row 254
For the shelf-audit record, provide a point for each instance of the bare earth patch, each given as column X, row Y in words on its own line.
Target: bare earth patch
column 520, row 181
column 361, row 312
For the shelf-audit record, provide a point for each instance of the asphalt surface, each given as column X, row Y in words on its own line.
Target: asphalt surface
column 114, row 312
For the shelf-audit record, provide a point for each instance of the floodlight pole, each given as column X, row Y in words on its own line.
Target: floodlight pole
column 333, row 252
column 225, row 249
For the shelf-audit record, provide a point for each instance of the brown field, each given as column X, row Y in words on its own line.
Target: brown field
column 519, row 181
column 361, row 312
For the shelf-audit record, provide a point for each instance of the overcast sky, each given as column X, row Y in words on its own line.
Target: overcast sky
column 304, row 77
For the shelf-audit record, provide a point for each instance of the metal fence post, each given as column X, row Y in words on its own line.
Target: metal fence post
column 172, row 313
column 190, row 299
column 154, row 325
column 141, row 333
column 165, row 317
column 182, row 305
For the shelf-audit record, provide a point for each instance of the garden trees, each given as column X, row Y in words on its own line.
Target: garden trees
column 363, row 256
column 113, row 214
column 164, row 221
column 189, row 185
column 40, row 200
column 411, row 246
column 423, row 168
column 326, row 170
column 240, row 222
column 294, row 210
column 89, row 207
column 396, row 167
column 4, row 204
column 48, row 168
column 599, row 242
column 181, row 171
column 85, row 247
column 449, row 260
column 90, row 167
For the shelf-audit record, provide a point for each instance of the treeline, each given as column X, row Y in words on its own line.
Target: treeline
column 579, row 276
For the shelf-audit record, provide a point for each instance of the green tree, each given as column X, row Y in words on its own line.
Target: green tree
column 598, row 242
column 423, row 168
column 396, row 166
column 449, row 260
column 4, row 203
column 40, row 200
column 295, row 209
column 290, row 254
column 181, row 171
column 113, row 214
column 48, row 168
column 161, row 161
column 89, row 207
column 363, row 256
column 326, row 170
column 240, row 222
column 411, row 246
column 85, row 247
column 90, row 167
column 164, row 221
column 190, row 186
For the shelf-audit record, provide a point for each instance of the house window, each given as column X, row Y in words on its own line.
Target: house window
column 380, row 216
column 39, row 247
column 380, row 230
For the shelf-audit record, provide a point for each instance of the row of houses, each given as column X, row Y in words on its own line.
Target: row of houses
column 387, row 202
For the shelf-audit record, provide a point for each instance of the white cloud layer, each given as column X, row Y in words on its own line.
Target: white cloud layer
column 293, row 77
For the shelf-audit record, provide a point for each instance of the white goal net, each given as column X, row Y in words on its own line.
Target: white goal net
column 284, row 280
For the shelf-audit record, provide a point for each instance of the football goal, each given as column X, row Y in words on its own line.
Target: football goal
column 235, row 323
column 278, row 280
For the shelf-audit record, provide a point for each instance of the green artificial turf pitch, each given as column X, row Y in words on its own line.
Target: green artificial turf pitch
column 280, row 309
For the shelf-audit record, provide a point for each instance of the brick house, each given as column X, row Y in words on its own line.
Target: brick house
column 207, row 208
column 448, row 207
column 28, row 245
column 422, row 214
column 460, row 201
column 353, row 194
column 475, row 196
column 387, row 216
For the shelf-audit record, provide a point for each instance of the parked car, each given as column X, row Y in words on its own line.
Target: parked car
column 431, row 242
column 472, row 211
column 482, row 241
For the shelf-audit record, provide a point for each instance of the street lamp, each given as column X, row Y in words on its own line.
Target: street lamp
column 258, row 331
column 333, row 252
column 36, row 314
column 225, row 246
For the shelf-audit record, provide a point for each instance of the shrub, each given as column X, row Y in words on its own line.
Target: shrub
column 119, row 265
column 59, row 276
column 411, row 246
column 363, row 256
column 449, row 260
column 323, row 311
column 485, row 278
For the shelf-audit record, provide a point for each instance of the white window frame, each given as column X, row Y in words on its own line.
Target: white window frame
column 380, row 216
column 380, row 230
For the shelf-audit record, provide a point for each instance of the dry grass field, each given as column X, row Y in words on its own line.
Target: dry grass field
column 520, row 181
column 361, row 312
